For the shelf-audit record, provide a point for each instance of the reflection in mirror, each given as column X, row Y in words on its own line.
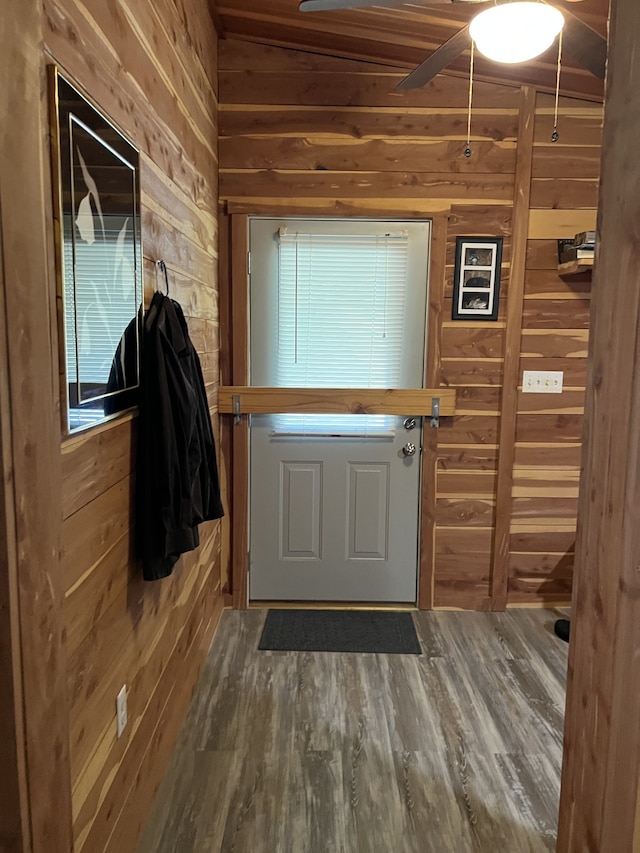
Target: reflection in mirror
column 100, row 259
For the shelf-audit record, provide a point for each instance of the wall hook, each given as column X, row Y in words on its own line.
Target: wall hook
column 163, row 268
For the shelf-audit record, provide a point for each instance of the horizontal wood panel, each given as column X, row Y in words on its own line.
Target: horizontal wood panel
column 582, row 127
column 558, row 193
column 336, row 154
column 544, row 543
column 358, row 123
column 193, row 212
column 91, row 597
column 477, row 220
column 473, row 458
column 238, row 54
column 95, row 528
column 466, row 484
column 464, row 541
column 477, row 400
column 555, row 344
column 557, row 590
column 545, row 454
column 469, row 429
column 462, row 595
column 476, row 372
column 566, row 161
column 556, row 314
column 469, row 566
column 352, row 88
column 559, row 224
column 574, row 370
column 549, row 428
column 464, row 513
column 391, row 401
column 543, row 510
column 95, row 461
column 542, row 255
column 325, row 184
column 541, row 565
column 569, row 402
column 548, row 284
column 462, row 341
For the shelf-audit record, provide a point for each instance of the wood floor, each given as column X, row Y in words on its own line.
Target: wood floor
column 455, row 750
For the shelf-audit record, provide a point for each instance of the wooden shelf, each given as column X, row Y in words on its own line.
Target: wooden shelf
column 575, row 267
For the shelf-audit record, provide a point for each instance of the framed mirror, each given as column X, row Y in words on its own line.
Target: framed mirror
column 99, row 258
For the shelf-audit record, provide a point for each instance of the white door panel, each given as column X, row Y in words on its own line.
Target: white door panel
column 333, row 517
column 300, row 510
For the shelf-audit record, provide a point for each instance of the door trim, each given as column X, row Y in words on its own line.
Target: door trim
column 238, row 348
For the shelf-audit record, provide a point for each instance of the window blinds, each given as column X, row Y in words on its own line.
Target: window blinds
column 341, row 313
column 97, row 313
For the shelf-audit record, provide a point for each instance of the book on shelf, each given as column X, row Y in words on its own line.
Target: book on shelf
column 585, row 239
column 574, row 253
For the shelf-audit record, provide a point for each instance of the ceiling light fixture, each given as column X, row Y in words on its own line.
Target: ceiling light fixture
column 516, row 32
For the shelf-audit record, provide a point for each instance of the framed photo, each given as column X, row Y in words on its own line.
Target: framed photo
column 96, row 185
column 476, row 283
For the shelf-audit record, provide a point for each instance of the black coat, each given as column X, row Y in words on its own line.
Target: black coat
column 177, row 484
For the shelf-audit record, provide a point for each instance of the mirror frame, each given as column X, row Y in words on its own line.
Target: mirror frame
column 71, row 112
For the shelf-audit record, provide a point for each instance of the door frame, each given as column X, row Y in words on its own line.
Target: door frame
column 234, row 309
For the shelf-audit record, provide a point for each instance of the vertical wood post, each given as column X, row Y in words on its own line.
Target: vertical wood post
column 437, row 272
column 240, row 432
column 14, row 803
column 34, row 424
column 507, row 434
column 598, row 808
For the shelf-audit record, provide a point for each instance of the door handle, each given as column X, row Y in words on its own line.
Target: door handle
column 409, row 449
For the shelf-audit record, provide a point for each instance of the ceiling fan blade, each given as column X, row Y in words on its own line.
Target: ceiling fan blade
column 438, row 61
column 326, row 5
column 584, row 44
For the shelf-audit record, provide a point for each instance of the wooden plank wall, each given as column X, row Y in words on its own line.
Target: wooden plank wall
column 302, row 133
column 35, row 766
column 599, row 798
column 152, row 67
column 555, row 329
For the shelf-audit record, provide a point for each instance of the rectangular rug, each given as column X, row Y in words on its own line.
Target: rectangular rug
column 374, row 631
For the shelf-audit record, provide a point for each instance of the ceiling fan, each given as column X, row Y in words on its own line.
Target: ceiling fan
column 586, row 46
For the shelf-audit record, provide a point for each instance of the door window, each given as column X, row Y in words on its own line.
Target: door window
column 341, row 302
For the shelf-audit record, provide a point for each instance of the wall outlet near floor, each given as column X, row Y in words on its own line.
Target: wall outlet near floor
column 542, row 381
column 121, row 709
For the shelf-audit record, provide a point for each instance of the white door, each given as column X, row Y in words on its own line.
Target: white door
column 334, row 507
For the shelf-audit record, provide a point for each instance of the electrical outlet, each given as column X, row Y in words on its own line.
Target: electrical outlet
column 542, row 381
column 121, row 709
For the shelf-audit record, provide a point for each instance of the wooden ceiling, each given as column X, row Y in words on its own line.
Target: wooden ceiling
column 402, row 37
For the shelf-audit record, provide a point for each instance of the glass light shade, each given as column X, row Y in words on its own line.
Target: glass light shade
column 516, row 32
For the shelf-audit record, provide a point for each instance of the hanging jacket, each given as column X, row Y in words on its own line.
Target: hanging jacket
column 177, row 484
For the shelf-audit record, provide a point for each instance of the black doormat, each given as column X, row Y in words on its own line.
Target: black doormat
column 375, row 631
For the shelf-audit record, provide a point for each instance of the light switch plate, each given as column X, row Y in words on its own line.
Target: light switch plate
column 542, row 381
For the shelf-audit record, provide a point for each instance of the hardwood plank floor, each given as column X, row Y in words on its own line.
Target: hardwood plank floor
column 455, row 750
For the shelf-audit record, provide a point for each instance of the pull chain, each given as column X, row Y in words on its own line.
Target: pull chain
column 467, row 150
column 555, row 136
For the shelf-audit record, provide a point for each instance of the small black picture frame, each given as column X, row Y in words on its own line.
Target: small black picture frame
column 476, row 281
